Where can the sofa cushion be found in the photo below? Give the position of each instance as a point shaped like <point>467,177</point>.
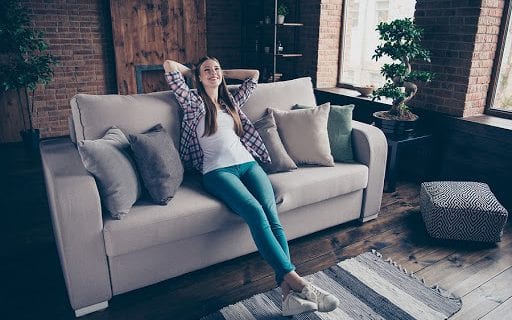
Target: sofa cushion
<point>193,212</point>
<point>108,160</point>
<point>304,134</point>
<point>280,160</point>
<point>94,114</point>
<point>158,162</point>
<point>308,185</point>
<point>339,128</point>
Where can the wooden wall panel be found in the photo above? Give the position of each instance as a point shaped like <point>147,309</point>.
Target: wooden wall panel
<point>147,32</point>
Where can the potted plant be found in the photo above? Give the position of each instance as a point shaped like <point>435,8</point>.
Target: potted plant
<point>24,63</point>
<point>402,43</point>
<point>282,12</point>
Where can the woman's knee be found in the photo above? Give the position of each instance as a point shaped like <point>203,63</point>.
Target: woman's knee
<point>254,214</point>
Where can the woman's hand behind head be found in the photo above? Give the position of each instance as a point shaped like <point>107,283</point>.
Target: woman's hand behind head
<point>170,66</point>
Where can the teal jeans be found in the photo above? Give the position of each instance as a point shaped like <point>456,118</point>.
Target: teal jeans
<point>246,190</point>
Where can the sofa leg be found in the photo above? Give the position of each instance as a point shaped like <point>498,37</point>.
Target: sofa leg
<point>90,309</point>
<point>368,218</point>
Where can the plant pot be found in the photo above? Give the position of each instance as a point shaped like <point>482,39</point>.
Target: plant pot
<point>280,19</point>
<point>31,141</point>
<point>394,127</point>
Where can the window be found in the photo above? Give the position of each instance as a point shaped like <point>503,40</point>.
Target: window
<point>359,38</point>
<point>501,88</point>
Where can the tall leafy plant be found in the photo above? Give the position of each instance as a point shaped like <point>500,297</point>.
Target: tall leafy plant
<point>401,41</point>
<point>24,60</point>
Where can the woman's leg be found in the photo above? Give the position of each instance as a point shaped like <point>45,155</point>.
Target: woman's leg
<point>257,182</point>
<point>259,185</point>
<point>226,185</point>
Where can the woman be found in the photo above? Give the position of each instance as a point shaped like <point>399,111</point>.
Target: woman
<point>219,141</point>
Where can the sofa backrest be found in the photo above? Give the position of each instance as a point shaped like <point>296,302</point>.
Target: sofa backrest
<point>93,115</point>
<point>281,95</point>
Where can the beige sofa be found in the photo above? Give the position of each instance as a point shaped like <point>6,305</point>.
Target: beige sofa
<point>102,257</point>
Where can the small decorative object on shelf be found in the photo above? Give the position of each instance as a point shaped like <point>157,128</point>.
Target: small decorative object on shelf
<point>280,48</point>
<point>282,11</point>
<point>365,90</point>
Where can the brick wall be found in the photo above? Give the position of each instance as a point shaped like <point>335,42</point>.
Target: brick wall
<point>79,33</point>
<point>462,37</point>
<point>484,52</point>
<point>328,43</point>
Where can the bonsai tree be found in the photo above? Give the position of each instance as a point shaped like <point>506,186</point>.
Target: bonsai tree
<point>24,62</point>
<point>401,42</point>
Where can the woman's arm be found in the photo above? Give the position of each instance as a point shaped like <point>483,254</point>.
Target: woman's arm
<point>241,74</point>
<point>247,87</point>
<point>186,98</point>
<point>173,66</point>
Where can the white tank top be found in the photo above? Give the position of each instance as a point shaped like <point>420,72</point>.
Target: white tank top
<point>223,148</point>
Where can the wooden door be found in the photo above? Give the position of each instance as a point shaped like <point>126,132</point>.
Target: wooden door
<point>147,32</point>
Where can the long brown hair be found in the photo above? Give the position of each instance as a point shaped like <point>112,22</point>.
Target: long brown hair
<point>210,118</point>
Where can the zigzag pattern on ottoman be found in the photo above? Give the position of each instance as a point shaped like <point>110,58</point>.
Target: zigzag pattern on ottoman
<point>462,210</point>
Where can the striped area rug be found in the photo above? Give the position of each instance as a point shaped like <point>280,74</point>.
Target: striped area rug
<point>368,288</point>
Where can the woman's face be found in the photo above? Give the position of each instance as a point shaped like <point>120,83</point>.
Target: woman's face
<point>210,74</point>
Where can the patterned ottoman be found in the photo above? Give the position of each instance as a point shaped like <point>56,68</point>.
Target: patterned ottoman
<point>462,211</point>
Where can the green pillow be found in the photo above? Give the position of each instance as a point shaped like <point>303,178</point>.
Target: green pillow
<point>339,129</point>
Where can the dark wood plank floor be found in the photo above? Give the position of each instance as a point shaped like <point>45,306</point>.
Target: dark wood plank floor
<point>32,285</point>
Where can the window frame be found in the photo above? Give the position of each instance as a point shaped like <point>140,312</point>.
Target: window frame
<point>498,59</point>
<point>339,83</point>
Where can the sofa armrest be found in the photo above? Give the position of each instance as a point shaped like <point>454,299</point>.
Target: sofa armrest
<point>77,223</point>
<point>370,148</point>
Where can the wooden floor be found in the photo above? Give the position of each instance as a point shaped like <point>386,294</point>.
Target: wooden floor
<point>32,284</point>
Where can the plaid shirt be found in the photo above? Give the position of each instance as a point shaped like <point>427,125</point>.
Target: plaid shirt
<point>193,109</point>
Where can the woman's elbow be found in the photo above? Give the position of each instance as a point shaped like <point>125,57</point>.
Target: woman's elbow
<point>256,75</point>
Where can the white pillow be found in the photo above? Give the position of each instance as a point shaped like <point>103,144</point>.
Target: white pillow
<point>304,134</point>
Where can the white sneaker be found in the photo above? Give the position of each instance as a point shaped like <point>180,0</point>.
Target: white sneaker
<point>326,302</point>
<point>293,304</point>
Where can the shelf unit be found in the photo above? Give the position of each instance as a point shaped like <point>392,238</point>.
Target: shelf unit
<point>261,36</point>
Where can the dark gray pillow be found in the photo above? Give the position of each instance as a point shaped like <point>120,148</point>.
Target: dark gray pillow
<point>158,162</point>
<point>280,160</point>
<point>339,128</point>
<point>108,160</point>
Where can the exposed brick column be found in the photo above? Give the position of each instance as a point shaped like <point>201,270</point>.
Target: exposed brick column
<point>462,37</point>
<point>486,41</point>
<point>329,43</point>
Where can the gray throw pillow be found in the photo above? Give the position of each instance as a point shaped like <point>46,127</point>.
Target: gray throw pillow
<point>108,160</point>
<point>304,134</point>
<point>158,162</point>
<point>280,160</point>
<point>339,128</point>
